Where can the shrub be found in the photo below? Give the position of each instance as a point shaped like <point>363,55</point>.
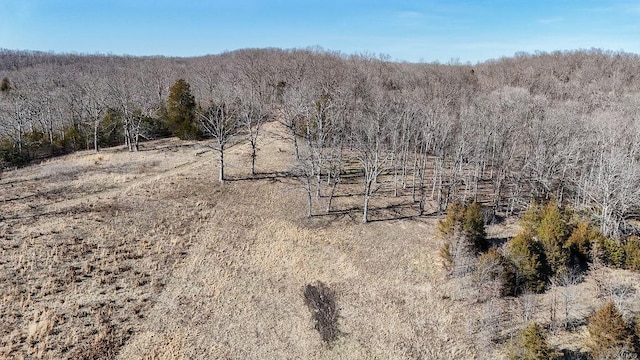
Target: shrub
<point>525,254</point>
<point>531,344</point>
<point>531,218</point>
<point>610,252</point>
<point>473,226</point>
<point>580,243</point>
<point>552,232</point>
<point>608,333</point>
<point>321,302</point>
<point>496,272</point>
<point>632,254</point>
<point>450,225</point>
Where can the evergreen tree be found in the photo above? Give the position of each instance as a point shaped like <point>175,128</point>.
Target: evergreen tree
<point>181,107</point>
<point>580,243</point>
<point>464,236</point>
<point>531,218</point>
<point>473,227</point>
<point>493,266</point>
<point>608,333</point>
<point>528,258</point>
<point>553,232</point>
<point>531,344</point>
<point>450,225</point>
<point>610,252</point>
<point>632,254</point>
<point>5,85</point>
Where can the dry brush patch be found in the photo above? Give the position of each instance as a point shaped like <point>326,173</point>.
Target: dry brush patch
<point>87,244</point>
<point>239,294</point>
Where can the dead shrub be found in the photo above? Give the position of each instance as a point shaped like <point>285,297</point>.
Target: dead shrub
<point>321,301</point>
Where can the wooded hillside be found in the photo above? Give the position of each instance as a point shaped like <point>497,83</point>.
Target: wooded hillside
<point>561,125</point>
<point>240,235</point>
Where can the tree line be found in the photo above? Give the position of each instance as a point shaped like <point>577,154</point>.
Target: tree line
<point>560,125</point>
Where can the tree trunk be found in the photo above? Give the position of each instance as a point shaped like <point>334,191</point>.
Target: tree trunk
<point>365,212</point>
<point>253,158</point>
<point>309,200</point>
<point>221,164</point>
<point>95,136</point>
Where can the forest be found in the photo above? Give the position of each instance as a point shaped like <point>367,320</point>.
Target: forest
<point>560,125</point>
<point>552,139</point>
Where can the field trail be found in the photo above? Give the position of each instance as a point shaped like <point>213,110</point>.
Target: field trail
<point>145,256</point>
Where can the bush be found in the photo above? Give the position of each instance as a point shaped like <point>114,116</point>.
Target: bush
<point>495,272</point>
<point>321,302</point>
<point>450,225</point>
<point>467,221</point>
<point>632,254</point>
<point>608,333</point>
<point>580,243</point>
<point>473,227</point>
<point>531,344</point>
<point>553,232</point>
<point>524,252</point>
<point>610,252</point>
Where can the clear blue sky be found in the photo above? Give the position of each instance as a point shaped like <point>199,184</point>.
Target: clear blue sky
<point>427,30</point>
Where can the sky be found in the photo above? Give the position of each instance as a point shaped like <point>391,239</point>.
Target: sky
<point>416,31</point>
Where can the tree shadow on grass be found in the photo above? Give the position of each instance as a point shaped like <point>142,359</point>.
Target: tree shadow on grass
<point>402,211</point>
<point>273,176</point>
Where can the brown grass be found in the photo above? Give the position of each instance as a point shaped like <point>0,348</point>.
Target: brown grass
<point>144,256</point>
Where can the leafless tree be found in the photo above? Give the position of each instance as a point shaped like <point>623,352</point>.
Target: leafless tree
<point>219,119</point>
<point>371,136</point>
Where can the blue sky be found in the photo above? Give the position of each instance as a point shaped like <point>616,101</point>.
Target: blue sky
<point>469,31</point>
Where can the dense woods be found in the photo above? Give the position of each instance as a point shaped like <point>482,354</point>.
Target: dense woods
<point>560,125</point>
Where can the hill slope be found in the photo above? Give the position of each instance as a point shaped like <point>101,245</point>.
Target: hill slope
<point>145,255</point>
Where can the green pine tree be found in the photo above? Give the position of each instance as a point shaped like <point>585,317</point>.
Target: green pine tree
<point>553,232</point>
<point>530,220</point>
<point>181,107</point>
<point>531,344</point>
<point>450,225</point>
<point>632,253</point>
<point>5,85</point>
<point>525,254</point>
<point>473,227</point>
<point>580,243</point>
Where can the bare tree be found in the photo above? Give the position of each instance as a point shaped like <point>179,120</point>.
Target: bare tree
<point>94,101</point>
<point>371,136</point>
<point>252,115</point>
<point>220,121</point>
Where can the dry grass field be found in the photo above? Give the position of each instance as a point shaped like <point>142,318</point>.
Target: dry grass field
<point>145,256</point>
